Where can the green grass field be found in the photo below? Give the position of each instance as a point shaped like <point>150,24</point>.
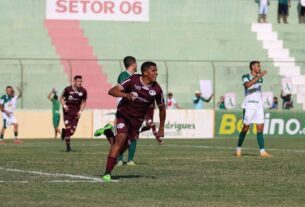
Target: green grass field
<point>178,173</point>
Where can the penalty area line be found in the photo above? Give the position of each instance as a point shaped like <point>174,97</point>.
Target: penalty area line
<point>80,177</point>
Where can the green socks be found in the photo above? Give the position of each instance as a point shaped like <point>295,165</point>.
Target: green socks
<point>260,140</point>
<point>132,150</point>
<point>241,139</point>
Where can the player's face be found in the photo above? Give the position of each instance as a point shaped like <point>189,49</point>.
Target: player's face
<point>78,82</point>
<point>151,74</point>
<point>9,91</point>
<point>257,68</point>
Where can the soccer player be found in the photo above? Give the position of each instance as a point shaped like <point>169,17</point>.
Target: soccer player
<point>73,100</point>
<point>55,111</point>
<point>139,92</point>
<point>130,64</point>
<point>253,107</point>
<point>7,106</point>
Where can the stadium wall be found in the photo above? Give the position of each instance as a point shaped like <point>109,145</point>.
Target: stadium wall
<point>180,124</point>
<point>38,124</point>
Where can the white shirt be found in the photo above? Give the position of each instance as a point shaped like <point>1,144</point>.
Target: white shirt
<point>171,103</point>
<point>263,2</point>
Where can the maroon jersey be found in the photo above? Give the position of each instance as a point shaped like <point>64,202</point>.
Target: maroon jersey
<point>74,98</point>
<point>144,97</point>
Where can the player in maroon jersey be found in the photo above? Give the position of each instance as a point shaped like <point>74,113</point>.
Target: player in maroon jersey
<point>139,93</point>
<point>73,100</point>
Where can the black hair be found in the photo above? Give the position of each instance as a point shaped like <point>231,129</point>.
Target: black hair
<point>78,77</point>
<point>146,65</point>
<point>253,63</point>
<point>55,96</point>
<point>128,61</point>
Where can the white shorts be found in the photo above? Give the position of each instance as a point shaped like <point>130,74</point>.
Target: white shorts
<point>8,120</point>
<point>263,9</point>
<point>253,116</point>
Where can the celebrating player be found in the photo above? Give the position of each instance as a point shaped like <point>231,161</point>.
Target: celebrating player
<point>73,100</point>
<point>253,107</point>
<point>7,106</point>
<point>55,111</point>
<point>139,92</point>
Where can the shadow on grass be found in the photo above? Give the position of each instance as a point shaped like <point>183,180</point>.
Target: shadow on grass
<point>247,155</point>
<point>118,177</point>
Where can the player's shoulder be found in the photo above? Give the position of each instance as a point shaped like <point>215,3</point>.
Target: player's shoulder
<point>3,97</point>
<point>68,88</point>
<point>157,86</point>
<point>245,76</point>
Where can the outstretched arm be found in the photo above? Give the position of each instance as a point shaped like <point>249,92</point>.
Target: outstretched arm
<point>50,94</point>
<point>19,92</point>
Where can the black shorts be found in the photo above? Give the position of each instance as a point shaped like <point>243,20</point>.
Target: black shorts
<point>302,12</point>
<point>282,9</point>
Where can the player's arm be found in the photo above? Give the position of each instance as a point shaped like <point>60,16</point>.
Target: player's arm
<point>162,117</point>
<point>62,101</point>
<point>254,80</point>
<point>19,92</point>
<point>2,108</point>
<point>50,94</point>
<point>118,92</point>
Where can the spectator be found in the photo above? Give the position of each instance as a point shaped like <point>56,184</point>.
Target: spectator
<point>198,100</point>
<point>171,102</point>
<point>263,10</point>
<point>302,11</point>
<point>287,102</point>
<point>221,103</point>
<point>282,12</point>
<point>274,103</point>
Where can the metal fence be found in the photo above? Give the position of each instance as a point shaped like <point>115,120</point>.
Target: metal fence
<point>37,77</point>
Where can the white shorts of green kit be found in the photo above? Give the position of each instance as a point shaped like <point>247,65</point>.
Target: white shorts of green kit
<point>253,116</point>
<point>8,120</point>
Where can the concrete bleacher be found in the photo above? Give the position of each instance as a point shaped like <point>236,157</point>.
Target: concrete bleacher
<point>190,41</point>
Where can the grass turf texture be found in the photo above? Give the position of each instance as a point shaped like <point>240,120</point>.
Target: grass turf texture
<point>178,173</point>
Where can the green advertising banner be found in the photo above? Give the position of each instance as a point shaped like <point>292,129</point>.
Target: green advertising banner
<point>282,124</point>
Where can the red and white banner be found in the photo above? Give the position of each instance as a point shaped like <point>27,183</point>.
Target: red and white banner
<point>104,10</point>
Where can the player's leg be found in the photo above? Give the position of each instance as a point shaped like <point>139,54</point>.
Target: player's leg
<point>3,131</point>
<point>71,122</point>
<point>259,119</point>
<point>56,120</point>
<point>107,130</point>
<point>247,119</point>
<point>16,140</point>
<point>115,149</point>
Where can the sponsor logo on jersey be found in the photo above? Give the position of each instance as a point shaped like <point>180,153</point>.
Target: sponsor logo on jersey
<point>137,87</point>
<point>145,88</point>
<point>80,94</point>
<point>120,126</point>
<point>152,92</point>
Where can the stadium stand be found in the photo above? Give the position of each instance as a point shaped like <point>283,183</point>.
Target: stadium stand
<point>187,40</point>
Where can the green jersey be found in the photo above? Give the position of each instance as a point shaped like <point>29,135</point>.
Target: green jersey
<point>55,106</point>
<point>8,102</point>
<point>253,95</point>
<point>123,76</point>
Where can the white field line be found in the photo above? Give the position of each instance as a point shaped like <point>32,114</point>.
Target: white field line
<point>230,148</point>
<point>56,175</point>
